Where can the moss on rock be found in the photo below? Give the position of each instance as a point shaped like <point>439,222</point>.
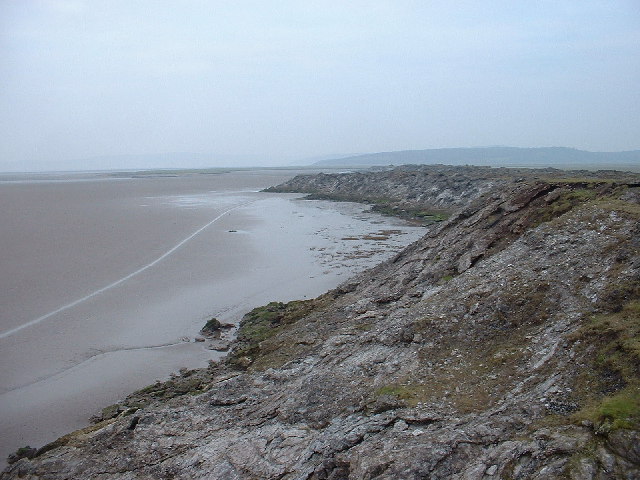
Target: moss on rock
<point>262,323</point>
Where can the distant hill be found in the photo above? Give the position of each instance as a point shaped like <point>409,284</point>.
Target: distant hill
<point>559,157</point>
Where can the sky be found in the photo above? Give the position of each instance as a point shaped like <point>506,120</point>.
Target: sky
<point>242,82</point>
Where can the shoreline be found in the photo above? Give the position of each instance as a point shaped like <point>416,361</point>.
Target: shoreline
<point>107,372</point>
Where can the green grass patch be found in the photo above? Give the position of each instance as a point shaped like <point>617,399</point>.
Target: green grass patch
<point>445,279</point>
<point>570,197</point>
<point>621,410</point>
<point>612,387</point>
<point>262,323</point>
<point>434,217</point>
<point>619,335</point>
<point>605,193</point>
<point>412,394</point>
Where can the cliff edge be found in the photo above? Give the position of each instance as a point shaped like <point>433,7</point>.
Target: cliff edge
<point>503,344</point>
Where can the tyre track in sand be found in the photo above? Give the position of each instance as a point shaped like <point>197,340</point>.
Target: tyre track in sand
<point>40,319</point>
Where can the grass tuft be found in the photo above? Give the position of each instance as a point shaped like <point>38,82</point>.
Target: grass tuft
<point>621,410</point>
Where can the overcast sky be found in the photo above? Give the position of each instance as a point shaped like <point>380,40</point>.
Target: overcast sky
<point>273,81</point>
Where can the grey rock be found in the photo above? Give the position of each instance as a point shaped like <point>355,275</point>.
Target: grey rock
<point>626,443</point>
<point>491,470</point>
<point>219,345</point>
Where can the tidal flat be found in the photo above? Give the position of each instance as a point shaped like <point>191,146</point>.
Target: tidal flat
<point>106,280</point>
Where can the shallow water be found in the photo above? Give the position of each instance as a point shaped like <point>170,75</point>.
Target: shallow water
<point>105,284</point>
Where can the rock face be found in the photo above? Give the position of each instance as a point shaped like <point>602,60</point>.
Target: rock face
<point>424,188</point>
<point>503,344</point>
<point>408,188</point>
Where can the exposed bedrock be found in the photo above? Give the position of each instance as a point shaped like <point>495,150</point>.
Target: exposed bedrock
<point>503,344</point>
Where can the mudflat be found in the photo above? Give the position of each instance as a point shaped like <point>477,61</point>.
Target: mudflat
<point>106,281</point>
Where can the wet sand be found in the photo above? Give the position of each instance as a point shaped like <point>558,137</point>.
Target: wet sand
<point>106,282</point>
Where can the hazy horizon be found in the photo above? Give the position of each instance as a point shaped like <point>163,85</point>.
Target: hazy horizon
<point>95,85</point>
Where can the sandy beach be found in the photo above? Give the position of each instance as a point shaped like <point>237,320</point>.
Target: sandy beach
<point>106,282</point>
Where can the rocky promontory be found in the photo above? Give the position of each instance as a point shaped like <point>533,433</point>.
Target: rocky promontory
<point>503,344</point>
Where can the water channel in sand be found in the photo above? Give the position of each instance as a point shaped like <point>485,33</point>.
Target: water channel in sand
<point>105,281</point>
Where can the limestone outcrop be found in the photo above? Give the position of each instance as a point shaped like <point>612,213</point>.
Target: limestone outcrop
<point>503,344</point>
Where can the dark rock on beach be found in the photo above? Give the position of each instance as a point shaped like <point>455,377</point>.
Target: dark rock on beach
<point>24,452</point>
<point>214,328</point>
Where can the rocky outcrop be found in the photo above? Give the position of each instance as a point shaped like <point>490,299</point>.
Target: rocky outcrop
<point>413,189</point>
<point>503,344</point>
<point>424,190</point>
